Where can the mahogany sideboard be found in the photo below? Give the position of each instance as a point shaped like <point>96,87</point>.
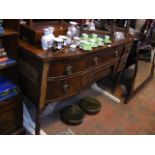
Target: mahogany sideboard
<point>47,76</point>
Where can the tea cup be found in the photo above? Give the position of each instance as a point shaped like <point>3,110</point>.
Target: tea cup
<point>84,36</point>
<point>94,36</point>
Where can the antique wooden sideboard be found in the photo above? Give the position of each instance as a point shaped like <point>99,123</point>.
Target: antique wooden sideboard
<point>47,76</point>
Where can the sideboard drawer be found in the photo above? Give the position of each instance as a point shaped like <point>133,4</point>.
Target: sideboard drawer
<point>104,57</point>
<point>98,73</point>
<point>63,87</point>
<point>66,67</point>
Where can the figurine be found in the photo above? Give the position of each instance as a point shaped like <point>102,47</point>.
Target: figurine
<point>91,25</point>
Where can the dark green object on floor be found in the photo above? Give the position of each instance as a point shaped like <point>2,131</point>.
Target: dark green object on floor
<point>72,115</point>
<point>90,105</point>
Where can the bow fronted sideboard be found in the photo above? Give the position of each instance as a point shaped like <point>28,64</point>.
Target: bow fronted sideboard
<point>47,76</point>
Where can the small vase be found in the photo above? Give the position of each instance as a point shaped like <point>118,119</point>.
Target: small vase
<point>72,29</point>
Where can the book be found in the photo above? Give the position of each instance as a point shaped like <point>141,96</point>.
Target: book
<point>7,89</point>
<point>5,84</point>
<point>7,62</point>
<point>8,96</point>
<point>3,59</point>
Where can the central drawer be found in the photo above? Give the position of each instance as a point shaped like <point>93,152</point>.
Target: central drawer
<point>63,87</point>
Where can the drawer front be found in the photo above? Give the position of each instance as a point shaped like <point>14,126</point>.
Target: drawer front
<point>65,68</point>
<point>63,87</point>
<point>11,116</point>
<point>102,57</point>
<point>97,73</point>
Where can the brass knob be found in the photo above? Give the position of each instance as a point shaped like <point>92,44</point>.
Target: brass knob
<point>116,53</point>
<point>95,60</point>
<point>65,88</point>
<point>68,70</point>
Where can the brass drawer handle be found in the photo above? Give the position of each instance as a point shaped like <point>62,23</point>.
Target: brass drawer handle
<point>116,54</point>
<point>65,88</point>
<point>95,60</point>
<point>68,70</point>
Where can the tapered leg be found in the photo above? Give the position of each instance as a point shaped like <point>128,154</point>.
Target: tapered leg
<point>38,121</point>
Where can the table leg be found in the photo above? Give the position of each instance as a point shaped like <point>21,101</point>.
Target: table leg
<point>38,121</point>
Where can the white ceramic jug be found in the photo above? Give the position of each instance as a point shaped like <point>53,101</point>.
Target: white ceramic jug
<point>45,40</point>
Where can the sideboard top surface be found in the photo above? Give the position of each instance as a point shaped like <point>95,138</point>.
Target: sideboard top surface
<point>44,56</point>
